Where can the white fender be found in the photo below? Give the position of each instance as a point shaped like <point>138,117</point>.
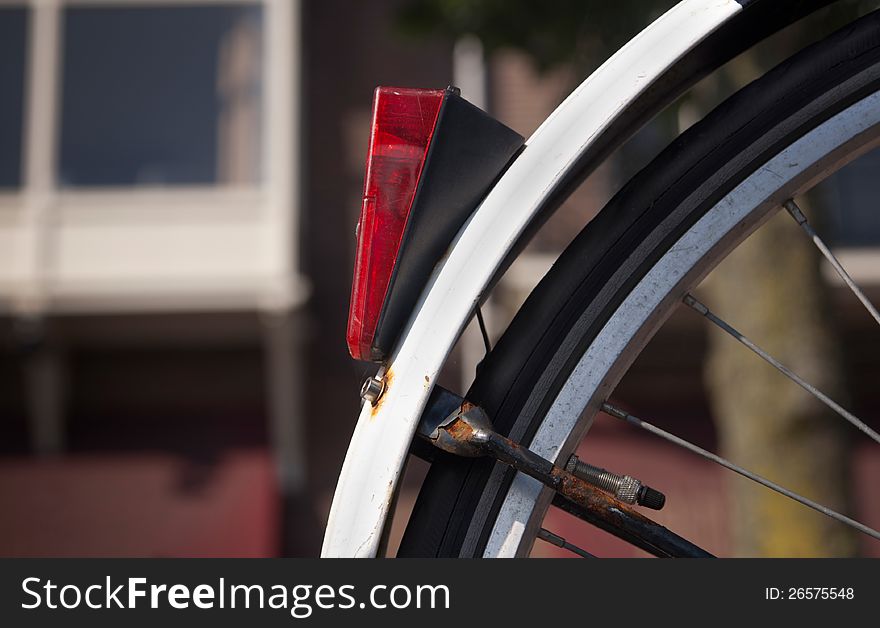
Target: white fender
<point>383,433</point>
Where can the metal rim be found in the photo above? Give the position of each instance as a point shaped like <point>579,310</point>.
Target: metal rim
<point>797,168</point>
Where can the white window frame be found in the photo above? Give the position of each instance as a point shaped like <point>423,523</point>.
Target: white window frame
<point>118,249</point>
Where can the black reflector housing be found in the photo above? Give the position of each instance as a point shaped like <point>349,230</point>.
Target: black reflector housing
<point>469,150</point>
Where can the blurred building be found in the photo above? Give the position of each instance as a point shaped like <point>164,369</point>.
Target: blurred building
<point>179,184</point>
<point>150,279</point>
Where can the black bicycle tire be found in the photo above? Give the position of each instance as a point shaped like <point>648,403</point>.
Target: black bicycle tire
<point>840,69</point>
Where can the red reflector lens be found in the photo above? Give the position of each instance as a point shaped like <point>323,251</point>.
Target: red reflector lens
<point>403,121</point>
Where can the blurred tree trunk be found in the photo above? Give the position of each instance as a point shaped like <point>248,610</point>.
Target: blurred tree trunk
<point>771,289</point>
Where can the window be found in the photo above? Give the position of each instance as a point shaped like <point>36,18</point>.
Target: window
<point>13,33</point>
<point>149,182</point>
<point>159,95</point>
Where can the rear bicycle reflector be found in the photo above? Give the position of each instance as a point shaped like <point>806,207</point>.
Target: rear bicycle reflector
<point>432,157</point>
<point>403,121</point>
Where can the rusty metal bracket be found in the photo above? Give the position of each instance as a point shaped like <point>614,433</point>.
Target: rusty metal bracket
<point>467,431</point>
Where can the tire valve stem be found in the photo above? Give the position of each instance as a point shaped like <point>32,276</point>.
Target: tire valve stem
<point>624,487</point>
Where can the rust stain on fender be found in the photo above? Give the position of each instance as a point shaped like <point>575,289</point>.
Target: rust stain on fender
<point>388,379</point>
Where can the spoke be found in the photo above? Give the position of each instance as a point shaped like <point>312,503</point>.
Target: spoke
<point>691,302</point>
<point>796,213</point>
<point>558,541</point>
<point>672,438</point>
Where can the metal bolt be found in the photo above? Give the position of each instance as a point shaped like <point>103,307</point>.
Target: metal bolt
<point>624,487</point>
<point>372,389</point>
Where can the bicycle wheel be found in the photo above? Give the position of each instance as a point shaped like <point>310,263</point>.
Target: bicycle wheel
<point>594,312</point>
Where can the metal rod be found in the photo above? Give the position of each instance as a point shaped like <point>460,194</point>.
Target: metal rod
<point>672,438</point>
<point>796,213</point>
<point>468,432</point>
<point>654,539</point>
<point>554,539</point>
<point>486,342</point>
<point>700,308</point>
<point>593,504</point>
